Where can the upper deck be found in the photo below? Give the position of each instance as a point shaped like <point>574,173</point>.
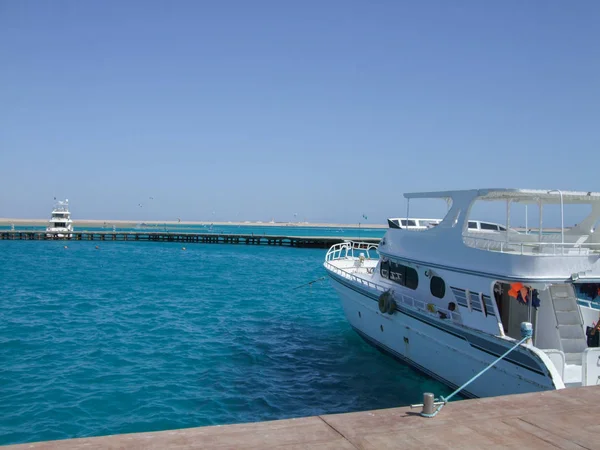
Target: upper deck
<point>61,207</point>
<point>506,253</point>
<point>581,239</point>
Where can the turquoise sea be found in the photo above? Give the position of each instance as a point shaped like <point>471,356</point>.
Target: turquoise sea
<point>138,336</point>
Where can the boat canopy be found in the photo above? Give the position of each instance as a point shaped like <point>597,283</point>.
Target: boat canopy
<point>515,195</point>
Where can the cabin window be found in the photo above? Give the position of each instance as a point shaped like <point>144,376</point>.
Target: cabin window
<point>461,297</point>
<point>501,228</point>
<point>397,273</point>
<point>472,225</point>
<point>403,275</point>
<point>409,223</point>
<point>488,226</point>
<point>437,287</point>
<point>475,301</point>
<point>412,278</point>
<point>489,305</point>
<point>384,269</point>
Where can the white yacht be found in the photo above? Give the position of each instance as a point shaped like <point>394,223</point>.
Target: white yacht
<point>60,224</point>
<point>451,299</point>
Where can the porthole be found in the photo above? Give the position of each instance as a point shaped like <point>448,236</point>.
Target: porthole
<point>437,287</point>
<point>381,327</point>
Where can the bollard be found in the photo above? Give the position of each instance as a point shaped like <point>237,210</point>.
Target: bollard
<point>428,401</point>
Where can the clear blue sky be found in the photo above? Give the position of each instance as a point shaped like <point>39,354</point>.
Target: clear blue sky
<point>252,110</point>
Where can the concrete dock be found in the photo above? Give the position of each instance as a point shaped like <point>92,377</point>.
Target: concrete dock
<point>568,418</point>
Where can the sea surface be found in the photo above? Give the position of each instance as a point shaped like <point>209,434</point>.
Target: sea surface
<point>144,336</point>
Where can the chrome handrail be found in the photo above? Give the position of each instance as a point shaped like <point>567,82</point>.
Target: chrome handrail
<point>543,248</point>
<point>345,250</point>
<point>354,278</point>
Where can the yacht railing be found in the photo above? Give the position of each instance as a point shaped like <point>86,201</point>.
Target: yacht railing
<point>61,206</point>
<point>345,250</point>
<point>406,300</point>
<point>533,248</point>
<point>354,278</point>
<point>588,303</point>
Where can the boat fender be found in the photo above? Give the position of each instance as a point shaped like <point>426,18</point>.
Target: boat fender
<point>383,301</point>
<point>391,306</point>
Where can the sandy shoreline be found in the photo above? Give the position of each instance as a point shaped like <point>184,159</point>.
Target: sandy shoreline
<point>132,224</point>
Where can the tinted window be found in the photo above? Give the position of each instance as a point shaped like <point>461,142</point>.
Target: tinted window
<point>412,278</point>
<point>384,269</point>
<point>403,275</point>
<point>397,273</point>
<point>472,225</point>
<point>501,228</point>
<point>488,226</point>
<point>475,302</point>
<point>411,223</point>
<point>437,287</point>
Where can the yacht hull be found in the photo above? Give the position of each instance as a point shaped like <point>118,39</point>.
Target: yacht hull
<point>442,350</point>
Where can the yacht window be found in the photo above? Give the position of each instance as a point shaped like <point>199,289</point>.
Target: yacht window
<point>488,226</point>
<point>472,225</point>
<point>461,297</point>
<point>489,306</point>
<point>397,273</point>
<point>475,301</point>
<point>437,287</point>
<point>384,269</point>
<point>411,223</point>
<point>404,275</point>
<point>501,228</point>
<point>412,278</point>
<point>58,224</point>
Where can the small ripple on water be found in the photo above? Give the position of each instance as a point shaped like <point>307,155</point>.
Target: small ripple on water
<point>142,337</point>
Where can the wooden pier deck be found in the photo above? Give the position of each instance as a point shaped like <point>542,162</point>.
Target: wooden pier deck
<point>205,238</point>
<point>554,419</point>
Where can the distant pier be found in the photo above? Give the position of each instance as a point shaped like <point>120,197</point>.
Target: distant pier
<point>196,238</point>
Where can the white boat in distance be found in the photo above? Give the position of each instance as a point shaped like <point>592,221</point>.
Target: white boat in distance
<point>451,299</point>
<point>60,224</point>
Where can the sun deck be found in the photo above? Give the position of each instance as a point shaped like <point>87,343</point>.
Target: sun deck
<point>579,240</point>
